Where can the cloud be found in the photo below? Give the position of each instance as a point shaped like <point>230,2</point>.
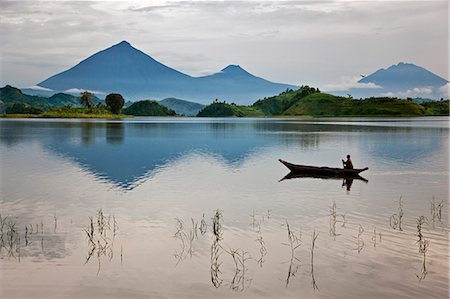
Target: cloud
<point>417,92</point>
<point>445,91</point>
<point>297,42</point>
<point>35,87</point>
<point>347,83</point>
<point>78,90</point>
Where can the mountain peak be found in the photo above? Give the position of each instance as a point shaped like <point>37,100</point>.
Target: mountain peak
<point>123,43</point>
<point>405,76</point>
<point>236,70</point>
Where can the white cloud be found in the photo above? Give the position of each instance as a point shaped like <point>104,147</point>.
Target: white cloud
<point>297,42</point>
<point>445,91</point>
<point>78,90</point>
<point>347,83</point>
<point>423,92</point>
<point>35,87</point>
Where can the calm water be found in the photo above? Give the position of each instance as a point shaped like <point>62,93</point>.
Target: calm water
<point>196,208</point>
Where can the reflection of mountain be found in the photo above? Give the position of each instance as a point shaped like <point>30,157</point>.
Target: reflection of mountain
<point>124,153</point>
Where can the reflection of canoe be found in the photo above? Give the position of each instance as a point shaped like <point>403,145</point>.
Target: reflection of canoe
<point>295,175</point>
<point>322,171</point>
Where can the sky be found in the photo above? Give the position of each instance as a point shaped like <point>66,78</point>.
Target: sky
<point>327,44</point>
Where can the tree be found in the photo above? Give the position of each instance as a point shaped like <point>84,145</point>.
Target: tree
<point>115,102</point>
<point>86,99</point>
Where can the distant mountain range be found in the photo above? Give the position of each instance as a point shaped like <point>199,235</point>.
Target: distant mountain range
<point>402,80</point>
<point>10,95</point>
<point>127,70</point>
<point>182,107</point>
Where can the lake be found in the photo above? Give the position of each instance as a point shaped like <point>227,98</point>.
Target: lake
<point>198,208</point>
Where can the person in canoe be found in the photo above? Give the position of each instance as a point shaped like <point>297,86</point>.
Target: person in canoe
<point>348,164</point>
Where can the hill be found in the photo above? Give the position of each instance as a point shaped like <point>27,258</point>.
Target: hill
<point>182,107</point>
<point>321,104</point>
<point>126,70</point>
<point>10,95</point>
<point>308,101</point>
<point>148,108</point>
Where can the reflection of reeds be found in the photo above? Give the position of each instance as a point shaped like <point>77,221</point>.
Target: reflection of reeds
<point>396,219</point>
<point>203,226</point>
<point>313,243</point>
<point>293,243</point>
<point>359,241</point>
<point>262,246</point>
<point>423,246</point>
<point>436,210</point>
<point>216,249</point>
<point>101,238</point>
<point>374,237</point>
<point>239,280</point>
<point>9,238</point>
<point>181,236</point>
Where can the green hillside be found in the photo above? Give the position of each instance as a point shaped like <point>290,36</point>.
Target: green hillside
<point>224,109</point>
<point>10,95</point>
<point>148,108</point>
<point>321,104</point>
<point>276,105</point>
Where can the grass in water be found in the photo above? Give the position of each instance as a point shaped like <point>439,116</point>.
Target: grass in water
<point>423,246</point>
<point>293,243</point>
<point>313,244</point>
<point>101,237</point>
<point>396,219</point>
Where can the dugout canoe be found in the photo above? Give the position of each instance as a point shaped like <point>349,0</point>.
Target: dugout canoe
<point>322,171</point>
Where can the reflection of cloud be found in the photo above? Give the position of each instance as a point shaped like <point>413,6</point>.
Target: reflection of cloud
<point>348,83</point>
<point>414,92</point>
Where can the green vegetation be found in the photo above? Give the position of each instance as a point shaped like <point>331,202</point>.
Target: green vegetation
<point>306,101</point>
<point>70,112</point>
<point>148,108</point>
<point>21,108</point>
<point>436,107</point>
<point>276,105</point>
<point>309,101</point>
<point>86,99</point>
<point>320,104</point>
<point>224,109</point>
<point>115,102</point>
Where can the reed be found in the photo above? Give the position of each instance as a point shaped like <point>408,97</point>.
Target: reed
<point>216,249</point>
<point>101,234</point>
<point>395,220</point>
<point>359,241</point>
<point>423,246</point>
<point>436,211</point>
<point>293,243</point>
<point>313,245</point>
<point>239,280</point>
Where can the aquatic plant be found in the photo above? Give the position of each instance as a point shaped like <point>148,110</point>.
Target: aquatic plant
<point>293,243</point>
<point>101,237</point>
<point>395,220</point>
<point>436,210</point>
<point>423,246</point>
<point>359,241</point>
<point>313,244</point>
<point>216,249</point>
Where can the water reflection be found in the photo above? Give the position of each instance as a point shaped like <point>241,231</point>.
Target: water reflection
<point>346,181</point>
<point>126,152</point>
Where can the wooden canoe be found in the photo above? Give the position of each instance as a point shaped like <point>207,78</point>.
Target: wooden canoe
<point>323,171</point>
